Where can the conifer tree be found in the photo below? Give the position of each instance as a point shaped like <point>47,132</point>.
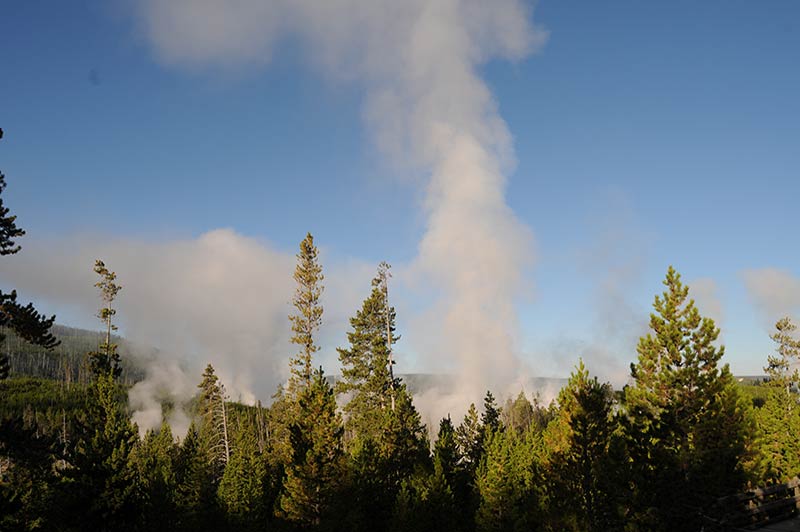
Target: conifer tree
<point>315,473</point>
<point>680,391</point>
<point>778,419</point>
<point>242,488</point>
<point>583,465</point>
<point>490,419</point>
<point>152,460</point>
<point>469,440</point>
<point>195,491</point>
<point>366,365</point>
<point>518,414</point>
<point>214,433</point>
<point>505,496</point>
<point>307,320</point>
<point>106,359</point>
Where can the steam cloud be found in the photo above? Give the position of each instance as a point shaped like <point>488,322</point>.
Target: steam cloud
<point>776,293</point>
<point>221,298</point>
<point>224,298</point>
<point>425,103</point>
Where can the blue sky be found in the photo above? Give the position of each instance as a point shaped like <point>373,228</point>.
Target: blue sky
<point>646,134</point>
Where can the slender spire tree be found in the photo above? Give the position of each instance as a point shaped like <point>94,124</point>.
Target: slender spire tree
<point>106,358</point>
<point>307,320</point>
<point>382,283</point>
<point>214,426</point>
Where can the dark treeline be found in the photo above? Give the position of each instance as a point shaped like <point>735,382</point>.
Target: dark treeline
<point>653,456</point>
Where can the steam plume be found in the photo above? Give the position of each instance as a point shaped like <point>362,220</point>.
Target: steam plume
<point>425,103</point>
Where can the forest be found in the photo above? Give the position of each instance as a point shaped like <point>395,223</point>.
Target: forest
<point>353,454</point>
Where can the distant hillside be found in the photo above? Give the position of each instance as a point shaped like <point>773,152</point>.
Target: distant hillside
<point>66,361</point>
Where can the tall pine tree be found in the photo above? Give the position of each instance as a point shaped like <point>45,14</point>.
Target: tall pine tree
<point>679,400</point>
<point>367,378</point>
<point>307,320</point>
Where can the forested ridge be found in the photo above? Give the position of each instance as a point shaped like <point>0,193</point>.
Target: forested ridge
<point>355,455</point>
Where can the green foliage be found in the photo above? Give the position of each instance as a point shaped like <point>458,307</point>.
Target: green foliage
<point>314,475</point>
<point>490,419</point>
<point>243,489</point>
<point>586,463</point>
<point>214,434</point>
<point>152,461</point>
<point>366,374</point>
<point>106,360</point>
<point>778,419</point>
<point>679,398</point>
<point>306,300</point>
<point>469,438</point>
<point>507,483</point>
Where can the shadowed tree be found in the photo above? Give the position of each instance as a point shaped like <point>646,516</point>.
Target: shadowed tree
<point>586,462</point>
<point>779,418</point>
<point>316,471</point>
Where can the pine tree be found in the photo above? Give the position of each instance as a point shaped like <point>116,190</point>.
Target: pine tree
<point>308,276</point>
<point>469,440</point>
<point>242,490</point>
<point>106,359</point>
<point>518,414</point>
<point>214,433</point>
<point>152,460</point>
<point>315,473</point>
<point>778,419</point>
<point>505,496</point>
<point>366,365</point>
<point>195,491</point>
<point>490,419</point>
<point>583,466</point>
<point>103,493</point>
<point>678,392</point>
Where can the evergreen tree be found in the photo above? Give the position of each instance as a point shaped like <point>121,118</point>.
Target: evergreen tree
<point>678,393</point>
<point>366,365</point>
<point>518,414</point>
<point>242,490</point>
<point>315,473</point>
<point>491,414</point>
<point>103,492</point>
<point>308,276</point>
<point>506,484</point>
<point>214,434</point>
<point>470,441</point>
<point>778,419</point>
<point>106,359</point>
<point>195,490</point>
<point>152,460</point>
<point>583,465</point>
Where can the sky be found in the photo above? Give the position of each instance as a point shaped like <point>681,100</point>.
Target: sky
<point>632,136</point>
